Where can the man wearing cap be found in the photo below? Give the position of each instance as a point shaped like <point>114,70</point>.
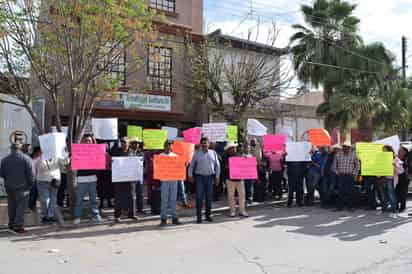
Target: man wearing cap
<point>168,191</point>
<point>347,168</point>
<point>124,192</point>
<point>233,185</point>
<point>18,174</point>
<point>205,167</point>
<point>136,149</point>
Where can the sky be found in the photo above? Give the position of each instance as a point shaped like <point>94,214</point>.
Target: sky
<point>383,21</point>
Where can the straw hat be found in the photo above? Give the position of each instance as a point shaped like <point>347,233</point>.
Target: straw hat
<point>336,146</point>
<point>347,144</point>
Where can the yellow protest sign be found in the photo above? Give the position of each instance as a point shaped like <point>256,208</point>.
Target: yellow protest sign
<point>135,132</point>
<point>367,148</point>
<point>377,164</point>
<point>154,139</point>
<point>231,133</point>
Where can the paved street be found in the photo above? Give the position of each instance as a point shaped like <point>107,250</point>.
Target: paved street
<point>272,240</point>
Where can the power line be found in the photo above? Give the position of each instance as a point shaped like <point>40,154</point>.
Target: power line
<point>342,68</point>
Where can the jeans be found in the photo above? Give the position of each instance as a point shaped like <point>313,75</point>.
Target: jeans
<point>402,191</point>
<point>331,188</point>
<point>295,185</point>
<point>169,194</point>
<point>61,193</point>
<point>82,189</point>
<point>311,183</point>
<point>345,185</point>
<point>181,192</point>
<point>204,190</point>
<point>388,194</point>
<point>370,186</point>
<point>16,203</point>
<point>248,189</point>
<point>48,199</point>
<point>232,186</point>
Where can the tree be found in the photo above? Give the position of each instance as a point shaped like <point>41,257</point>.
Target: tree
<point>331,30</point>
<point>67,48</point>
<point>233,75</point>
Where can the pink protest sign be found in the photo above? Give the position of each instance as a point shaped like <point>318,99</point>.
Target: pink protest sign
<point>88,156</point>
<point>274,142</point>
<point>192,135</point>
<point>241,168</point>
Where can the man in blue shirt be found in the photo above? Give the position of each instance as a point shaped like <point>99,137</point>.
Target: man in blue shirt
<point>314,173</point>
<point>205,167</point>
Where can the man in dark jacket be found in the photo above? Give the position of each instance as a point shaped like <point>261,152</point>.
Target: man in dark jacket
<point>18,174</point>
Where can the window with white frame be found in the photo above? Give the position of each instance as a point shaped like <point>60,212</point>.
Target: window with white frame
<point>159,68</point>
<point>167,5</point>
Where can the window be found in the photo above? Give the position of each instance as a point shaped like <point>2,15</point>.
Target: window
<point>167,5</point>
<point>160,68</point>
<point>115,62</point>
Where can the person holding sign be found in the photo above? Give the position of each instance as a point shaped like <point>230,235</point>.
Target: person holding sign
<point>233,184</point>
<point>86,183</point>
<point>386,188</point>
<point>124,192</point>
<point>346,166</point>
<point>401,180</point>
<point>168,191</point>
<point>136,149</point>
<point>205,167</point>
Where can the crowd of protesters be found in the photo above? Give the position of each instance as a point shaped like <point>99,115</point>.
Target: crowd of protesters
<point>332,177</point>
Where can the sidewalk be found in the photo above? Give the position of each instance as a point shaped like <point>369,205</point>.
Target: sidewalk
<point>32,218</point>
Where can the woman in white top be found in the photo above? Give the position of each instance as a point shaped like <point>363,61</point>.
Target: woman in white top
<point>48,181</point>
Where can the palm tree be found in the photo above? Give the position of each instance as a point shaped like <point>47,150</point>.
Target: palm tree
<point>331,31</point>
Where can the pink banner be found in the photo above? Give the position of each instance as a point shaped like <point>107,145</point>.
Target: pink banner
<point>241,168</point>
<point>274,142</point>
<point>88,157</point>
<point>192,135</point>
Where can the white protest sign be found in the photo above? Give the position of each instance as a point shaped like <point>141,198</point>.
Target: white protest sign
<point>298,151</point>
<point>105,129</point>
<point>392,141</point>
<point>254,127</point>
<point>215,132</point>
<point>171,132</point>
<point>127,169</point>
<point>53,145</point>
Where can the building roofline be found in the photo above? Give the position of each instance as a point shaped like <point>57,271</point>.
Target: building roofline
<point>246,44</point>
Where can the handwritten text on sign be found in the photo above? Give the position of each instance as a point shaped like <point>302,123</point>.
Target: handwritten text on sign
<point>241,168</point>
<point>88,156</point>
<point>154,139</point>
<point>169,168</point>
<point>184,149</point>
<point>215,132</point>
<point>127,169</point>
<point>377,164</point>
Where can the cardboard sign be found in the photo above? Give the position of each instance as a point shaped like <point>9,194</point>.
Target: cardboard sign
<point>242,168</point>
<point>192,135</point>
<point>105,129</point>
<point>171,132</point>
<point>377,164</point>
<point>184,149</point>
<point>367,149</point>
<point>254,127</point>
<point>88,157</point>
<point>319,137</point>
<point>154,139</point>
<point>392,141</point>
<point>135,132</point>
<point>232,134</point>
<point>53,146</point>
<point>298,151</point>
<point>127,169</point>
<point>274,142</point>
<point>215,132</point>
<point>169,168</point>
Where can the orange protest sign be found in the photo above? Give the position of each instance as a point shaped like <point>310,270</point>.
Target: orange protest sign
<point>319,137</point>
<point>184,149</point>
<point>169,168</point>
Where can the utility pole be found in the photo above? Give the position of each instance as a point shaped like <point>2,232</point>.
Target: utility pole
<point>404,49</point>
